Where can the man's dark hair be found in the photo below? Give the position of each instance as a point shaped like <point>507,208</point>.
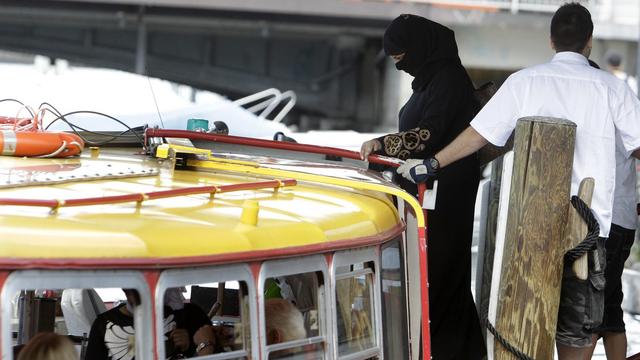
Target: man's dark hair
<point>614,58</point>
<point>571,27</point>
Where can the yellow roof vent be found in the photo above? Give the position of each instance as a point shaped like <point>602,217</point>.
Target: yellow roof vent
<point>250,210</point>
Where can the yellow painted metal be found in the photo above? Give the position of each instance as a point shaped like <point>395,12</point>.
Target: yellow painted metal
<point>195,225</point>
<point>162,151</point>
<point>95,152</point>
<point>223,164</point>
<point>250,210</point>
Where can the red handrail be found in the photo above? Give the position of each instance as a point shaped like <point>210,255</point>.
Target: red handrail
<point>140,197</point>
<point>271,144</point>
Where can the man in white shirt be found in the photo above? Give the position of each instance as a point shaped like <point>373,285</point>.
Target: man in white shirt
<point>618,246</point>
<point>566,87</point>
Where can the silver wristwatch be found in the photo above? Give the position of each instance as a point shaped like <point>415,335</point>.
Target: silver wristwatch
<point>203,345</point>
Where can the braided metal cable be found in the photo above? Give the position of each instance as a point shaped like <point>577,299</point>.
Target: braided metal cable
<point>591,239</point>
<point>505,343</point>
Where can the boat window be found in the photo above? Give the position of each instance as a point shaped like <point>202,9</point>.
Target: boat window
<point>294,305</point>
<point>207,319</point>
<point>394,316</point>
<point>207,313</point>
<point>292,324</point>
<point>355,308</point>
<point>101,312</point>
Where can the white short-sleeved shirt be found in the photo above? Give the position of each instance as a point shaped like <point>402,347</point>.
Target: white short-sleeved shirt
<point>625,198</point>
<point>630,80</point>
<point>568,87</point>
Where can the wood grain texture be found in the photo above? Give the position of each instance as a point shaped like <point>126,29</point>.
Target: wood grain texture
<point>576,228</point>
<point>534,247</point>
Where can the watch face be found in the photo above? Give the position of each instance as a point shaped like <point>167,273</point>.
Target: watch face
<point>433,162</point>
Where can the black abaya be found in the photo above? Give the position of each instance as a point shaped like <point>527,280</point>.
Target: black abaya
<point>441,107</point>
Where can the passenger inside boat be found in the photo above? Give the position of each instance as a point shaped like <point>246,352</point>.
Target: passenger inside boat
<point>112,333</point>
<point>48,346</point>
<point>291,315</point>
<point>284,322</point>
<point>69,313</point>
<point>225,307</point>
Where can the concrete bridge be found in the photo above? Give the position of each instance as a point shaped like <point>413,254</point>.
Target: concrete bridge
<point>328,52</point>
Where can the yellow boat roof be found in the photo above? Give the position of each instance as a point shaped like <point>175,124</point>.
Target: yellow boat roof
<point>312,215</point>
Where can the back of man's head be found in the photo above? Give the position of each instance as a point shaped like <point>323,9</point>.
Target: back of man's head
<point>571,28</point>
<point>284,322</point>
<point>614,59</point>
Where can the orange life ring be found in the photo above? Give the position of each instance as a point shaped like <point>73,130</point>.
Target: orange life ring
<point>8,120</point>
<point>39,143</point>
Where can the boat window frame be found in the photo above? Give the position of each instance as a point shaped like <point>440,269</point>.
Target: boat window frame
<point>293,266</point>
<point>180,277</point>
<point>353,257</point>
<point>400,241</point>
<point>80,279</point>
<point>412,281</point>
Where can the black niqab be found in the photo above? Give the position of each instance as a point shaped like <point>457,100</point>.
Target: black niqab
<point>427,47</point>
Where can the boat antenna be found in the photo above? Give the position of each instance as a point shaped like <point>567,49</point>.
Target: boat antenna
<point>155,101</point>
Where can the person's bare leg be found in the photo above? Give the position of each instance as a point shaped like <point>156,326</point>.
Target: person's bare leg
<point>589,353</point>
<point>571,353</point>
<point>615,345</point>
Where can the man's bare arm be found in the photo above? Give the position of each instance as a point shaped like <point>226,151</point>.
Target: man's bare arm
<point>636,153</point>
<point>468,142</point>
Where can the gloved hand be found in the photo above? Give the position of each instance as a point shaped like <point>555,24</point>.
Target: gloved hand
<point>418,170</point>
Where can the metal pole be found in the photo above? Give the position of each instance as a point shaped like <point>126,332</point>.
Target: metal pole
<point>141,48</point>
<point>25,316</point>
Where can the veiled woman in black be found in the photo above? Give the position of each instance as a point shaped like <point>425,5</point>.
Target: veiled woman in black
<point>440,108</point>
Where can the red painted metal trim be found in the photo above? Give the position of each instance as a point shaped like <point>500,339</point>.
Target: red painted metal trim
<point>328,257</point>
<point>188,261</point>
<point>424,290</point>
<point>151,277</point>
<point>424,279</point>
<point>148,196</point>
<point>255,267</point>
<point>228,139</point>
<point>422,187</point>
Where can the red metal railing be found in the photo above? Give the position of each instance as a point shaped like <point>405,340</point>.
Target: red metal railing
<point>140,197</point>
<point>270,144</point>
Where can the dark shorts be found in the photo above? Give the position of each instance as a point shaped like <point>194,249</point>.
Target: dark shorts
<point>618,248</point>
<point>582,301</point>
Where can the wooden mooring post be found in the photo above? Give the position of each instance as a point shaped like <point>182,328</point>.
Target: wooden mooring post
<point>534,246</point>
